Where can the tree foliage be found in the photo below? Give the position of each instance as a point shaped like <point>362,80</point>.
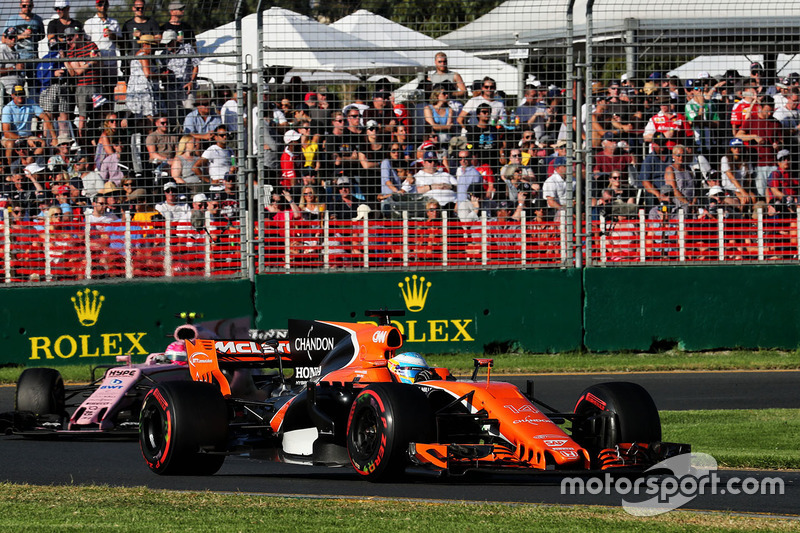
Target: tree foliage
<point>432,18</point>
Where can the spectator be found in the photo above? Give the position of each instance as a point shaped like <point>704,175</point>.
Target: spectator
<point>737,172</point>
<point>402,139</point>
<point>84,72</point>
<point>680,180</point>
<point>439,115</point>
<point>381,112</point>
<point>390,179</point>
<point>198,213</point>
<point>218,159</point>
<point>140,100</point>
<point>370,157</point>
<point>202,123</point>
<point>444,75</point>
<point>310,204</point>
<point>470,210</point>
<point>56,28</point>
<point>344,206</point>
<point>52,79</point>
<point>488,142</point>
<point>744,109</point>
<point>109,149</point>
<point>783,185</point>
<point>352,137</point>
<point>10,67</point>
<point>309,146</point>
<point>702,116</point>
<point>673,126</point>
<point>435,184</point>
<point>184,32</point>
<point>615,157</point>
<point>284,207</point>
<point>99,213</point>
<point>30,30</point>
<point>105,32</point>
<point>134,28</point>
<point>178,75</point>
<point>554,189</point>
<point>183,170</point>
<point>487,96</point>
<point>789,117</point>
<point>288,160</point>
<point>229,112</point>
<point>17,121</point>
<point>763,132</point>
<point>467,176</point>
<point>172,206</point>
<point>332,146</point>
<point>651,174</point>
<point>63,161</point>
<point>161,144</point>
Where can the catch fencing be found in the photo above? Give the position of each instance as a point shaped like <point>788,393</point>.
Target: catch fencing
<point>617,88</point>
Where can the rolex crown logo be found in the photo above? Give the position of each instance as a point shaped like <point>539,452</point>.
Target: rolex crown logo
<point>87,304</point>
<point>415,292</point>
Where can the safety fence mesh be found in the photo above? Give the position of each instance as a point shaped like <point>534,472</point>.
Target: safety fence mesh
<point>205,139</point>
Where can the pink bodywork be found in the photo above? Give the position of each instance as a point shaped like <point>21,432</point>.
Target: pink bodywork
<point>117,392</point>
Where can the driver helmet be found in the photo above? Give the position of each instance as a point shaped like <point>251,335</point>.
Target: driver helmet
<point>176,351</point>
<point>407,365</point>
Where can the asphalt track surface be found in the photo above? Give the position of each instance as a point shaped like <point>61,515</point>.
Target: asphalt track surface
<point>120,463</point>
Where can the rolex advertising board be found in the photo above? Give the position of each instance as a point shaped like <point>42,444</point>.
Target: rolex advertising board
<point>92,324</point>
<point>445,312</point>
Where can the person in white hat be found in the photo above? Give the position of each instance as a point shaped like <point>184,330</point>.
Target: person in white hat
<point>288,166</point>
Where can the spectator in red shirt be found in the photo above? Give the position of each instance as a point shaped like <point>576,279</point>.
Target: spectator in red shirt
<point>783,184</point>
<point>764,133</point>
<point>288,164</point>
<point>743,109</point>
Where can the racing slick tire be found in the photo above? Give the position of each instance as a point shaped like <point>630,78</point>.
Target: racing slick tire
<point>615,412</point>
<point>384,418</point>
<point>180,422</point>
<point>40,391</point>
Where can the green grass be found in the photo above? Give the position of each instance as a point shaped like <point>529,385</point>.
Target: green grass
<point>747,438</point>
<point>96,508</point>
<point>461,364</point>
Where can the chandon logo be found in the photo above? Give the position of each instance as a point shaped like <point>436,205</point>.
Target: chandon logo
<point>313,343</point>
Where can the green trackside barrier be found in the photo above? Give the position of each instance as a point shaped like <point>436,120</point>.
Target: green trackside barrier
<point>476,311</point>
<point>93,323</point>
<point>697,308</point>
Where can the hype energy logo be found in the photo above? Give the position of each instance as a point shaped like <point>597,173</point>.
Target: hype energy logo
<point>416,292</point>
<point>87,305</point>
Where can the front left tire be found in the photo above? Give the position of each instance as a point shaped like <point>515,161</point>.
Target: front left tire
<point>181,426</point>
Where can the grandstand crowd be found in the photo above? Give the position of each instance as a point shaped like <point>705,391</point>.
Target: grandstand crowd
<point>112,118</point>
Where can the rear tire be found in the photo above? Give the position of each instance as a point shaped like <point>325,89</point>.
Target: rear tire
<point>179,423</point>
<point>40,391</point>
<point>633,416</point>
<point>383,420</point>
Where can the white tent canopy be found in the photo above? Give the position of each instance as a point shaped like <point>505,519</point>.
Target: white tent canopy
<point>294,40</point>
<point>531,21</point>
<point>422,49</point>
<point>717,65</point>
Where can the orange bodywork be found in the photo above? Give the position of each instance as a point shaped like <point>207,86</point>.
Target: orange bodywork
<point>535,440</point>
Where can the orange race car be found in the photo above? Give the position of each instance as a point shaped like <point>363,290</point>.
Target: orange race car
<point>354,399</point>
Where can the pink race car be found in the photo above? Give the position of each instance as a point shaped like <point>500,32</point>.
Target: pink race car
<point>107,407</point>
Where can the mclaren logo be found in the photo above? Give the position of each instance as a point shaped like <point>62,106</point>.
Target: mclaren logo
<point>415,292</point>
<point>199,358</point>
<point>87,304</point>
